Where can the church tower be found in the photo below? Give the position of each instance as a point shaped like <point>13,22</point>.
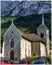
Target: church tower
<point>43,32</point>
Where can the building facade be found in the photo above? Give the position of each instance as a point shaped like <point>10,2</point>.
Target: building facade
<point>17,45</point>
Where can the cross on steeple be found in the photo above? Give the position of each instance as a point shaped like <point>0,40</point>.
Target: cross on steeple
<point>42,19</point>
<point>12,21</point>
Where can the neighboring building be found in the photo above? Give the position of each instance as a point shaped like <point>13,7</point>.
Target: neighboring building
<point>17,45</point>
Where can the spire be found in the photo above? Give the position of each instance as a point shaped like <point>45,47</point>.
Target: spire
<point>42,19</point>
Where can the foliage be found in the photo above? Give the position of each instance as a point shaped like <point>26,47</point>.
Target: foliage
<point>26,24</point>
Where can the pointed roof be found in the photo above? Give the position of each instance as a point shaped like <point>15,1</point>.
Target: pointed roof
<point>11,26</point>
<point>42,26</point>
<point>43,19</point>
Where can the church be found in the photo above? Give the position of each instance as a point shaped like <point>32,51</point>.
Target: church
<point>18,45</point>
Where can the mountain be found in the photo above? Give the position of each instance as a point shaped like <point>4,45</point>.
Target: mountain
<point>24,8</point>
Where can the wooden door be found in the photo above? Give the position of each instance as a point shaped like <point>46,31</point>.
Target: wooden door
<point>12,55</point>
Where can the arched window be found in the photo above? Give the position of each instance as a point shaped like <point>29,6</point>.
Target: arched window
<point>12,43</point>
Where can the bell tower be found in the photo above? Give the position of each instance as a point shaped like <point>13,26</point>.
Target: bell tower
<point>43,32</point>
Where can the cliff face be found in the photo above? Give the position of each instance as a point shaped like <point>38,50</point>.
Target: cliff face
<point>23,8</point>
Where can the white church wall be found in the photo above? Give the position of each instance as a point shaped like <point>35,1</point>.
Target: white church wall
<point>25,48</point>
<point>42,49</point>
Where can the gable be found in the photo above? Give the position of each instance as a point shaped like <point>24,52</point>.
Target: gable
<point>12,31</point>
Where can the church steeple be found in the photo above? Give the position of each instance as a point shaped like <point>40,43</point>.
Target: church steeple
<point>43,32</point>
<point>42,19</point>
